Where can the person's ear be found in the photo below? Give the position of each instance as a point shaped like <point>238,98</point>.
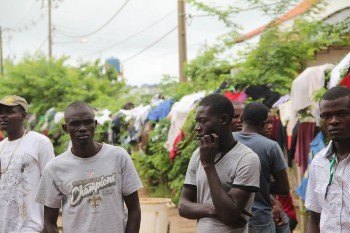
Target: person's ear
<point>225,119</point>
<point>64,127</point>
<point>24,115</point>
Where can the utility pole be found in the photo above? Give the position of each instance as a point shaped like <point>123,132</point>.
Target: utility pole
<point>50,28</point>
<point>182,39</point>
<point>1,57</point>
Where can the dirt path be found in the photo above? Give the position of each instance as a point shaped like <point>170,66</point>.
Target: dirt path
<point>180,225</point>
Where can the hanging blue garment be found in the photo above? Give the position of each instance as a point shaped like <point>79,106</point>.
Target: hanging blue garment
<point>161,111</point>
<point>317,144</point>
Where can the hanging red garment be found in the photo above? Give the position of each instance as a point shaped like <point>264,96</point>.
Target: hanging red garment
<point>1,136</point>
<point>345,81</point>
<point>174,149</point>
<point>306,133</point>
<point>236,96</point>
<point>287,205</point>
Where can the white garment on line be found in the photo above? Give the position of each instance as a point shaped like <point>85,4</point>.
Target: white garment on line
<point>338,69</point>
<point>304,86</point>
<point>139,113</point>
<point>178,115</point>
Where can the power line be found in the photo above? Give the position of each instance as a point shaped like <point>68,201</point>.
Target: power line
<point>42,44</point>
<point>104,25</point>
<point>151,45</point>
<point>133,35</point>
<point>21,21</point>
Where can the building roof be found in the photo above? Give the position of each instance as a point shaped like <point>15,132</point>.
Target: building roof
<point>300,9</point>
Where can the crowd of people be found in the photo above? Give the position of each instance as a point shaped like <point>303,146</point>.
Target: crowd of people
<point>236,180</point>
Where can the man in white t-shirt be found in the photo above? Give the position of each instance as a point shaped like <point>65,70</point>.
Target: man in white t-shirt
<point>222,175</point>
<point>91,182</point>
<point>23,156</point>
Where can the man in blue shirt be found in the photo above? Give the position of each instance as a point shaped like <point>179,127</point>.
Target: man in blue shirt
<point>272,165</point>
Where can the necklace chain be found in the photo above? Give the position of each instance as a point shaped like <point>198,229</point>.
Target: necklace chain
<point>8,165</point>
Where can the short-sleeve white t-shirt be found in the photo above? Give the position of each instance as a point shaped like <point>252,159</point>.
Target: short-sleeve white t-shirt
<point>18,210</point>
<point>91,190</point>
<point>239,168</point>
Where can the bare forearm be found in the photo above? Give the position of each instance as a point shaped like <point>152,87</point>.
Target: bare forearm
<point>313,224</point>
<point>50,228</point>
<point>193,210</point>
<point>133,223</point>
<point>225,207</point>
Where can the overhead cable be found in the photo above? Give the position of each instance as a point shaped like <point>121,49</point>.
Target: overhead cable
<point>102,26</point>
<point>133,35</point>
<point>42,44</point>
<point>150,46</point>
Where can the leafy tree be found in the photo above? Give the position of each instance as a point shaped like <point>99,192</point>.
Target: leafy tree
<point>50,83</point>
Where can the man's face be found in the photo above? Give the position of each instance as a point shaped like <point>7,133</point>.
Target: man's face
<point>237,121</point>
<point>335,118</point>
<point>11,118</point>
<point>267,130</point>
<point>80,124</point>
<point>206,122</point>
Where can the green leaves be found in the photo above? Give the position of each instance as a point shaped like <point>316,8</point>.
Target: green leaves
<point>52,83</point>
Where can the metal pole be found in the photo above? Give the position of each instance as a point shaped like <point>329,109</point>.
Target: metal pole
<point>50,29</point>
<point>182,39</point>
<point>1,54</point>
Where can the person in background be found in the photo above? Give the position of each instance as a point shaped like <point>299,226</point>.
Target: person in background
<point>236,120</point>
<point>284,212</point>
<point>222,175</point>
<point>273,166</point>
<point>23,157</point>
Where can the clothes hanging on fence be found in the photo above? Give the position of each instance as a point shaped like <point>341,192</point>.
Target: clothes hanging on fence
<point>161,111</point>
<point>337,71</point>
<point>306,134</point>
<point>345,82</point>
<point>315,146</point>
<point>178,115</point>
<point>263,92</point>
<point>103,116</point>
<point>279,133</point>
<point>236,96</point>
<point>138,114</point>
<point>281,100</point>
<point>175,149</point>
<point>304,87</point>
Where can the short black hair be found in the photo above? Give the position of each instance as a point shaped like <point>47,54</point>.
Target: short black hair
<point>255,113</point>
<point>76,105</point>
<point>336,93</point>
<point>218,104</point>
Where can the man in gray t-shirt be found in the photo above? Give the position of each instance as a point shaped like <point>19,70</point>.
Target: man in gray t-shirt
<point>222,175</point>
<point>272,165</point>
<point>92,182</point>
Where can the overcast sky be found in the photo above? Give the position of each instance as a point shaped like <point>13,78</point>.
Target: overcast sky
<point>27,20</point>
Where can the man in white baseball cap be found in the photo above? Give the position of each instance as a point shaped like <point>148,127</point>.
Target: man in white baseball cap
<point>23,156</point>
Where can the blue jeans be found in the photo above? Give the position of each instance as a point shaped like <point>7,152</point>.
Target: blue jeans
<point>265,228</point>
<point>285,228</point>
